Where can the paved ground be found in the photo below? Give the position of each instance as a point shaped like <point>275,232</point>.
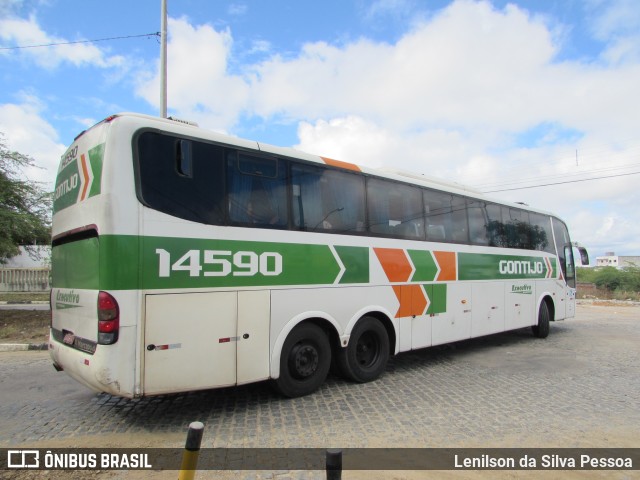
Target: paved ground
<point>577,388</point>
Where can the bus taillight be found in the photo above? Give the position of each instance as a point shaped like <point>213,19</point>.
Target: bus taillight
<point>108,319</point>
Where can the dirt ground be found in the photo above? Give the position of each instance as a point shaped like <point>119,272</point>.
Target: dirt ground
<point>24,326</point>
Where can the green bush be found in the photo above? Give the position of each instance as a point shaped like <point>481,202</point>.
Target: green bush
<point>612,279</point>
<point>586,274</point>
<point>609,278</point>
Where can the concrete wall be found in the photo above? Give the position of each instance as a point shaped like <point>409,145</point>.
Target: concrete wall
<point>25,279</point>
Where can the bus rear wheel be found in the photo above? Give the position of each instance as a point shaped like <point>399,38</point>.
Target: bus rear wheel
<point>541,330</point>
<point>304,361</point>
<point>366,356</point>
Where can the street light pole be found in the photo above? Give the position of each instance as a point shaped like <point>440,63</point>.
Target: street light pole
<point>163,60</point>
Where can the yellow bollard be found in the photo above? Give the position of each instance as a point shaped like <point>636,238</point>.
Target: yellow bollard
<point>191,451</point>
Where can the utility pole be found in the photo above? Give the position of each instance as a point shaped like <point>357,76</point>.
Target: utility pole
<point>163,59</point>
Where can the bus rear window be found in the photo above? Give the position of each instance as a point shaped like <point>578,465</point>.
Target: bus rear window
<point>181,178</point>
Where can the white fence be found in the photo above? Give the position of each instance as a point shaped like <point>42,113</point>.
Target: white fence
<point>25,279</point>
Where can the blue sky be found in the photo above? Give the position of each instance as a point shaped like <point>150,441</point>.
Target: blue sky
<point>493,94</point>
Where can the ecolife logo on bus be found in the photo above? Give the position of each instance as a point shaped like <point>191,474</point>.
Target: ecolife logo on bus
<point>67,299</point>
<point>520,267</point>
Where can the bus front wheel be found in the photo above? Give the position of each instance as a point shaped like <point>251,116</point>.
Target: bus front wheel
<point>366,356</point>
<point>541,330</point>
<point>304,361</point>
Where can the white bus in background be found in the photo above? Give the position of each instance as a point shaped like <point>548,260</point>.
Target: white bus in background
<point>185,259</point>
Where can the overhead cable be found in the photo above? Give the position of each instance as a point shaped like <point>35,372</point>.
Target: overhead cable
<point>153,34</point>
<point>562,183</point>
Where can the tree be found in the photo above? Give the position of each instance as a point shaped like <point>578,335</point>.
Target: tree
<point>609,278</point>
<point>25,206</point>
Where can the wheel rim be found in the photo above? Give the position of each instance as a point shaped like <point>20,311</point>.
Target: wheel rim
<point>303,360</point>
<point>367,349</point>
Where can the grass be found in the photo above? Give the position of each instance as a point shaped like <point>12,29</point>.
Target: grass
<point>603,294</point>
<point>24,326</point>
<point>19,297</point>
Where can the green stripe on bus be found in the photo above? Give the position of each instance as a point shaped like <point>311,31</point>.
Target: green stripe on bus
<point>119,262</point>
<point>76,265</point>
<point>67,187</point>
<point>96,155</point>
<point>474,266</point>
<point>426,268</point>
<point>437,294</point>
<point>203,263</point>
<point>356,263</point>
<point>130,262</point>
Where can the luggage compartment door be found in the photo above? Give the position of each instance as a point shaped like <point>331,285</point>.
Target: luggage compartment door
<point>190,341</point>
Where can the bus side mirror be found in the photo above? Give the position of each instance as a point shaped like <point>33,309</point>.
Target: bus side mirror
<point>584,256</point>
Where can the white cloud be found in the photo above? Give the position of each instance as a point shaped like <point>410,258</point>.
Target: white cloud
<point>198,84</point>
<point>23,32</point>
<point>384,9</point>
<point>27,132</point>
<point>352,137</point>
<point>451,98</point>
<point>617,22</point>
<point>9,6</point>
<point>470,65</point>
<point>237,9</point>
<point>614,17</point>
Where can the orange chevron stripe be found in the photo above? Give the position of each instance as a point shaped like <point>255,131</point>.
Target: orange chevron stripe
<point>85,175</point>
<point>341,164</point>
<point>448,266</point>
<point>549,267</point>
<point>412,298</point>
<point>395,264</point>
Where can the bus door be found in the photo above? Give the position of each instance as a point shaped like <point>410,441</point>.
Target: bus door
<point>204,340</point>
<point>570,273</point>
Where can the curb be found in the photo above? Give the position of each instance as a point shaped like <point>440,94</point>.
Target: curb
<point>29,302</point>
<point>22,347</point>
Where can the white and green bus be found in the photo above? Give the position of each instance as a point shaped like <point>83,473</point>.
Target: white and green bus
<point>184,259</point>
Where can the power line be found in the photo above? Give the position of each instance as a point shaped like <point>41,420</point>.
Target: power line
<point>587,156</point>
<point>153,34</point>
<point>562,183</point>
<point>509,182</point>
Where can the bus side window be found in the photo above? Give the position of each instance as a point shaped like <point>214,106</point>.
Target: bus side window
<point>520,231</point>
<point>257,190</point>
<point>395,209</point>
<point>495,226</point>
<point>437,216</point>
<point>478,232</point>
<point>460,226</point>
<point>565,253</point>
<point>184,158</point>
<point>327,200</point>
<point>541,238</point>
<point>568,255</point>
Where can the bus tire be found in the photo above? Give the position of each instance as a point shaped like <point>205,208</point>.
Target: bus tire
<point>304,361</point>
<point>541,330</point>
<point>366,356</point>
